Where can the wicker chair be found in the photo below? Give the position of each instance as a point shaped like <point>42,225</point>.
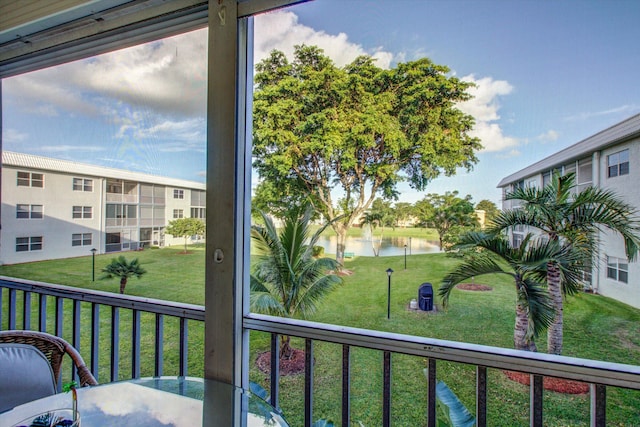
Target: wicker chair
<point>54,348</point>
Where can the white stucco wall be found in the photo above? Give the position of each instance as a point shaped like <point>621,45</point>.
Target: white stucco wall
<point>57,225</point>
<point>628,188</point>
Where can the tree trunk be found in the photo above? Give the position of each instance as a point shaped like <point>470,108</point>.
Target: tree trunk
<point>340,245</point>
<point>520,340</point>
<point>123,283</point>
<point>185,245</point>
<point>285,347</point>
<point>554,334</point>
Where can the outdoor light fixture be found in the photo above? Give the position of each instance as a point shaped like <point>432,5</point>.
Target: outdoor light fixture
<point>389,271</point>
<point>93,264</point>
<point>405,256</point>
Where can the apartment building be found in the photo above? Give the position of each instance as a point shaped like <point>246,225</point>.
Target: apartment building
<point>608,159</point>
<point>55,208</point>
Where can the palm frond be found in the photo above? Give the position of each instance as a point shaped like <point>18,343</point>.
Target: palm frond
<point>472,268</point>
<point>539,306</point>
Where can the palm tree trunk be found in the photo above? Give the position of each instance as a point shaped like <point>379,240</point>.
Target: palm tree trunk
<point>340,245</point>
<point>123,283</point>
<point>285,347</point>
<point>520,340</point>
<point>554,333</point>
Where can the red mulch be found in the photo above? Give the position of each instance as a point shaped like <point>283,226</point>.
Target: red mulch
<point>473,287</point>
<point>550,383</point>
<point>292,366</point>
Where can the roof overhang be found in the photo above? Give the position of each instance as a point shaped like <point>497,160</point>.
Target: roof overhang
<point>616,134</point>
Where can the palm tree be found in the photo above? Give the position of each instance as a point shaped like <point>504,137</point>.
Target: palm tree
<point>574,218</point>
<point>373,220</point>
<point>120,267</point>
<point>287,280</point>
<point>525,264</point>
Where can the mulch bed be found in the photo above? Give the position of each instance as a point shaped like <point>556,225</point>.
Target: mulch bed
<point>550,383</point>
<point>473,287</point>
<point>292,366</point>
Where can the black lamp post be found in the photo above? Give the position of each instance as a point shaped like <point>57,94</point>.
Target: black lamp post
<point>389,271</point>
<point>405,256</point>
<point>93,264</point>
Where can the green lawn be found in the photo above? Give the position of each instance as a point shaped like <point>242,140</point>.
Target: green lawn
<point>595,328</point>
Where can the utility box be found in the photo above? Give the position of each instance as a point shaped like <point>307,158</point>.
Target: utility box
<point>425,297</point>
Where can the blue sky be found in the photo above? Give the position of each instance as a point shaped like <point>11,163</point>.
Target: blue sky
<point>548,74</point>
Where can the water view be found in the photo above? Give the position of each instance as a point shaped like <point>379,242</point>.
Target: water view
<point>390,246</point>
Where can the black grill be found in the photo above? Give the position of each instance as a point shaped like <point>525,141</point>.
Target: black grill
<point>425,297</point>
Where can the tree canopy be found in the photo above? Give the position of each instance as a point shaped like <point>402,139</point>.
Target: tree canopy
<point>185,227</point>
<point>358,129</point>
<point>490,210</point>
<point>444,212</point>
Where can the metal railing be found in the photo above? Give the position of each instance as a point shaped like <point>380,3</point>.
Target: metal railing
<point>95,300</point>
<point>597,373</point>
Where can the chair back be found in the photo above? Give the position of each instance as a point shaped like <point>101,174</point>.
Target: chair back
<point>25,375</point>
<point>53,348</point>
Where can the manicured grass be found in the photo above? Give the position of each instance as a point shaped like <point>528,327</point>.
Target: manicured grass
<point>595,327</point>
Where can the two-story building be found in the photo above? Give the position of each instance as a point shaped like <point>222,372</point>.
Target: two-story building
<point>55,208</point>
<point>605,160</point>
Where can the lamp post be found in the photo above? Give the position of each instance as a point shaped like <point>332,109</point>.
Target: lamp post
<point>389,271</point>
<point>93,264</point>
<point>405,256</point>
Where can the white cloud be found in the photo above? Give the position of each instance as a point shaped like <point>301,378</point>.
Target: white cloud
<point>510,154</point>
<point>165,77</point>
<point>627,109</point>
<point>281,30</point>
<point>71,148</point>
<point>548,136</point>
<point>484,107</point>
<point>13,136</point>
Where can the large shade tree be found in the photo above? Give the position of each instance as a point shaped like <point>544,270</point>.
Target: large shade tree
<point>573,218</point>
<point>357,130</point>
<point>287,280</point>
<point>527,267</point>
<point>446,212</point>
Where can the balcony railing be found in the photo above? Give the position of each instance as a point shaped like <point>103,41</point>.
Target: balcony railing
<point>597,373</point>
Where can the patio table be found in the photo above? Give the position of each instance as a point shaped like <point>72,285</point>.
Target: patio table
<point>162,401</point>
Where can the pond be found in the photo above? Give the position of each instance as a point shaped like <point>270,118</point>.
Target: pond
<point>391,246</point>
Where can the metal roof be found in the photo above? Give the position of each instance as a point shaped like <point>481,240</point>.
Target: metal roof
<point>613,135</point>
<point>22,160</point>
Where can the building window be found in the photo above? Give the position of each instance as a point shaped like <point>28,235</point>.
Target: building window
<point>82,184</point>
<point>26,244</point>
<point>82,212</point>
<point>585,173</point>
<point>178,213</point>
<point>29,211</point>
<point>178,194</point>
<point>618,163</point>
<point>198,213</point>
<point>198,198</point>
<point>81,239</point>
<point>30,179</point>
<point>618,269</point>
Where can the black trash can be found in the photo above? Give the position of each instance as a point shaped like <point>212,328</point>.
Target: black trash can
<point>425,297</point>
